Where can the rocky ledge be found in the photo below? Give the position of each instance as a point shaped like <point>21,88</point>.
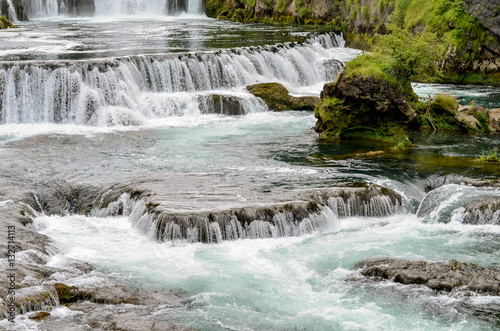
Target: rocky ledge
<point>483,211</point>
<point>453,276</point>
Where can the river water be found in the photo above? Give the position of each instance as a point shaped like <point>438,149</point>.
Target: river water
<point>103,98</point>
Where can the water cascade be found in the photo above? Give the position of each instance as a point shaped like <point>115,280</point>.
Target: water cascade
<point>269,222</point>
<point>125,91</point>
<point>111,8</point>
<point>12,11</point>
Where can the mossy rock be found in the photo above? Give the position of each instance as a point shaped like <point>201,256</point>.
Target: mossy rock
<point>65,293</point>
<point>277,97</point>
<point>365,107</point>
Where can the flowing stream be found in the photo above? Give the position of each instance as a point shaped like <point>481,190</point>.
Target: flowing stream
<point>102,98</point>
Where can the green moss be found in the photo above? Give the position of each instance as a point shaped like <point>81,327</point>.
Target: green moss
<point>445,103</point>
<point>343,122</point>
<point>64,293</point>
<point>370,65</point>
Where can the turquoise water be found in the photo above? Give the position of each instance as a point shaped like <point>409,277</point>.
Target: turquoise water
<point>291,283</point>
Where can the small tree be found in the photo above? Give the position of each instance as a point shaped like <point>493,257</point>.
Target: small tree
<point>409,55</point>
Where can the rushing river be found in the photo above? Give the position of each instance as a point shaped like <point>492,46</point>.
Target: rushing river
<point>104,98</point>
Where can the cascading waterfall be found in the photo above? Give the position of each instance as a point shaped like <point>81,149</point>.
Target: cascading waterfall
<point>125,91</point>
<point>130,7</point>
<point>277,221</point>
<point>111,8</point>
<point>42,8</point>
<point>12,11</point>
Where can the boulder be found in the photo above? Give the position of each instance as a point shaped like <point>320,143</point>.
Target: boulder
<point>381,96</point>
<point>467,118</point>
<point>493,119</point>
<point>437,276</point>
<point>366,108</point>
<point>277,97</point>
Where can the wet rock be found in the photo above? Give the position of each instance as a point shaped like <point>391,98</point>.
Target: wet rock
<point>39,316</point>
<point>466,117</point>
<point>267,215</point>
<point>364,107</point>
<point>277,98</point>
<point>380,96</point>
<point>454,276</point>
<point>484,211</point>
<point>494,120</point>
<point>222,104</point>
<point>333,68</point>
<point>65,293</point>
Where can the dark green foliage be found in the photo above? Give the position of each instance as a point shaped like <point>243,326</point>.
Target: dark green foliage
<point>4,22</point>
<point>410,55</point>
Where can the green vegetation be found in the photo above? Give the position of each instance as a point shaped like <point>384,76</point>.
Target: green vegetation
<point>5,23</point>
<point>409,55</point>
<point>446,18</point>
<point>491,157</point>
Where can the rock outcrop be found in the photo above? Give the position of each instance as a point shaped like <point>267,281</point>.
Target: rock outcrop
<point>171,215</point>
<point>365,107</point>
<point>487,12</point>
<point>277,97</point>
<point>454,276</point>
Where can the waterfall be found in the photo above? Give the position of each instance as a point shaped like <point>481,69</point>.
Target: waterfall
<point>130,7</point>
<point>271,221</point>
<point>12,11</point>
<point>51,8</point>
<point>42,8</point>
<point>126,90</point>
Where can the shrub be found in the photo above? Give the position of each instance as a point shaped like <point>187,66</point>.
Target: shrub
<point>446,102</point>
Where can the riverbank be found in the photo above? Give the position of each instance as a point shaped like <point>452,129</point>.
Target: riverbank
<point>472,43</point>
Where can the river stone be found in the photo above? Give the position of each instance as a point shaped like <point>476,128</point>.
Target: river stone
<point>277,97</point>
<point>494,120</point>
<point>454,276</point>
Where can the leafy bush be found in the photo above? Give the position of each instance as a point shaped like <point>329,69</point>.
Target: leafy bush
<point>410,55</point>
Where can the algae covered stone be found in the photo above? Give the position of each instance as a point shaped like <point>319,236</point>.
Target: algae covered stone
<point>277,97</point>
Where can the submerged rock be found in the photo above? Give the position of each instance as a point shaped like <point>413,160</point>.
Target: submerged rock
<point>276,97</point>
<point>437,276</point>
<point>221,104</point>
